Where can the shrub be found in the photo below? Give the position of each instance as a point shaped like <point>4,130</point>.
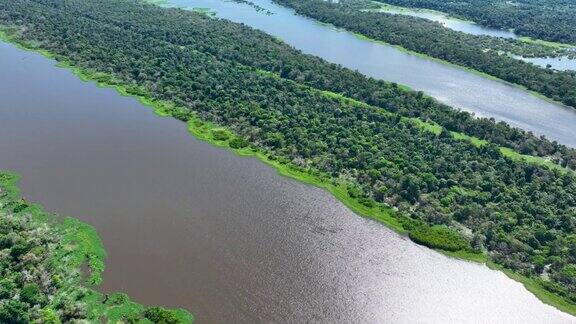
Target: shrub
<point>439,237</point>
<point>161,315</point>
<point>31,294</point>
<point>238,143</point>
<point>220,135</point>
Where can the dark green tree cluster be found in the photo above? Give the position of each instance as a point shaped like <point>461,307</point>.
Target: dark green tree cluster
<point>29,279</point>
<point>552,20</point>
<point>448,192</point>
<point>431,38</point>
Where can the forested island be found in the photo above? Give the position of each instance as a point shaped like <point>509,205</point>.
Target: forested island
<point>486,54</point>
<point>542,19</point>
<point>471,187</point>
<point>50,267</point>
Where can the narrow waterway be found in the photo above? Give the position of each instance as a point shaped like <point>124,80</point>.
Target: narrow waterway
<point>189,225</point>
<point>460,25</point>
<point>449,84</point>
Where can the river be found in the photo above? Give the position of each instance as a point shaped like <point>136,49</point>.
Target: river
<point>449,84</point>
<point>190,225</point>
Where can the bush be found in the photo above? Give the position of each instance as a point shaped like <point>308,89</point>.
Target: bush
<point>220,135</point>
<point>161,315</point>
<point>238,143</point>
<point>439,237</point>
<point>14,311</point>
<point>367,202</point>
<point>49,316</point>
<point>20,208</point>
<point>31,294</point>
<point>19,250</point>
<point>118,299</point>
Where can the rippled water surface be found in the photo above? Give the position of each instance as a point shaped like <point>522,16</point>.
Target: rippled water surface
<point>189,225</point>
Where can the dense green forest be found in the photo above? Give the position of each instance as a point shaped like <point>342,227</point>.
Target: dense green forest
<point>372,137</point>
<point>41,256</point>
<point>552,20</point>
<point>431,38</point>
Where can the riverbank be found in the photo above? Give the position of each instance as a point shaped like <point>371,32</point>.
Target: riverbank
<point>77,260</point>
<point>225,138</point>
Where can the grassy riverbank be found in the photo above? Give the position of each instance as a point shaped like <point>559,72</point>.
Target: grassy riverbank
<point>70,291</point>
<point>225,138</point>
<point>527,39</point>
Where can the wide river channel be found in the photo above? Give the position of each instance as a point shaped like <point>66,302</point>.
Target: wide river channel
<point>189,225</point>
